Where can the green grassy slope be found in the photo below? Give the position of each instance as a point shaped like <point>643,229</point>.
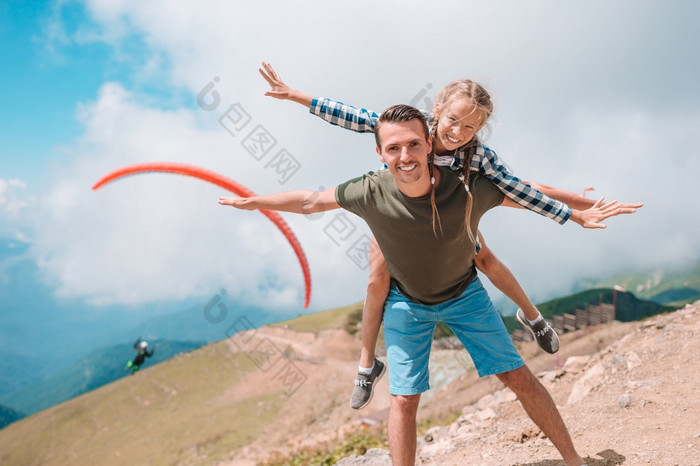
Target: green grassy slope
<point>94,370</point>
<point>8,416</point>
<point>665,286</point>
<point>181,411</point>
<point>629,307</point>
<point>345,317</point>
<point>17,371</point>
<point>172,413</point>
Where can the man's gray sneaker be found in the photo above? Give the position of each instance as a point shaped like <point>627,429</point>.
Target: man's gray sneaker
<point>364,385</point>
<point>544,334</point>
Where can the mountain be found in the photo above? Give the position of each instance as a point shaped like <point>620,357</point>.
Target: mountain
<point>672,286</point>
<point>94,370</point>
<point>30,384</point>
<point>8,416</point>
<point>189,330</point>
<point>276,395</point>
<point>17,371</point>
<point>42,333</point>
<point>197,407</point>
<point>208,320</point>
<point>626,392</point>
<point>628,307</point>
<point>676,296</point>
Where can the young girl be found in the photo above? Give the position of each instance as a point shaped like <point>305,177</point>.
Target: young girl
<point>462,108</point>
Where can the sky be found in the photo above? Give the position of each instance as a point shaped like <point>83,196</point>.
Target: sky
<point>601,94</point>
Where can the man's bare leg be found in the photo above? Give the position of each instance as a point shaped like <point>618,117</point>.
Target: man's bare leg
<point>402,429</point>
<point>540,406</point>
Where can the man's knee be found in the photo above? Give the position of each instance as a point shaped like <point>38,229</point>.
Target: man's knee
<point>406,404</point>
<point>518,379</point>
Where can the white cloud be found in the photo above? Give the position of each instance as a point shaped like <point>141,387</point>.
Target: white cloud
<point>636,157</point>
<point>581,101</point>
<point>155,237</point>
<point>11,195</point>
<point>14,203</point>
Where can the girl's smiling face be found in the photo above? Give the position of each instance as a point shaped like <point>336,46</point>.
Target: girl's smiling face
<point>458,122</point>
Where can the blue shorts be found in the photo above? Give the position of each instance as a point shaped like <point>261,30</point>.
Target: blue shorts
<point>409,328</point>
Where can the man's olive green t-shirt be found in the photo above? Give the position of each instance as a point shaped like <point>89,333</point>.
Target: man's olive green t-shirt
<point>425,268</point>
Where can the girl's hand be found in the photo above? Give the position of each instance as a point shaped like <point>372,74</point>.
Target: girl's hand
<point>591,218</point>
<point>278,89</point>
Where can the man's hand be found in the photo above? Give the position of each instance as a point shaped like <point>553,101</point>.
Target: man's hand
<point>237,202</point>
<point>591,217</point>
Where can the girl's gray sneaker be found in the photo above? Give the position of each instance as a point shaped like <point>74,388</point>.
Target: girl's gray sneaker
<point>544,334</point>
<point>364,385</point>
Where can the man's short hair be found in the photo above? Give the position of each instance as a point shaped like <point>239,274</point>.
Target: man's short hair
<point>400,113</point>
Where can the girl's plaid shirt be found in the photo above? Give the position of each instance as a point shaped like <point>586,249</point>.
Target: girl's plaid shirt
<point>485,161</point>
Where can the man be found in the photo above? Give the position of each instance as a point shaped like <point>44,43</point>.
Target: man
<point>417,214</point>
<point>141,348</point>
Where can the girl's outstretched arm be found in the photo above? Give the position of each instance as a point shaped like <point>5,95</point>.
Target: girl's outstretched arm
<point>595,214</point>
<point>486,162</point>
<point>578,201</point>
<point>279,90</point>
<point>521,194</point>
<point>337,113</point>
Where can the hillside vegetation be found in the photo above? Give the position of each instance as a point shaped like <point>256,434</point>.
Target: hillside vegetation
<point>628,307</point>
<point>94,370</point>
<point>8,416</point>
<point>675,288</point>
<point>197,407</point>
<point>345,317</point>
<point>173,412</point>
<point>269,394</point>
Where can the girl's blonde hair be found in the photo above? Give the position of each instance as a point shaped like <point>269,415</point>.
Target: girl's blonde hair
<point>481,100</point>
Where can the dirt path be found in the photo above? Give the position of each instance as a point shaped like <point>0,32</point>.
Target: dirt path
<point>634,402</point>
<point>629,392</point>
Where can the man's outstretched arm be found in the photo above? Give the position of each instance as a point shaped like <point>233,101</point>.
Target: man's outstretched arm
<point>298,202</point>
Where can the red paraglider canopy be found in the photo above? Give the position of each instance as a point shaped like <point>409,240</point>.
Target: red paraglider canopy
<point>223,182</point>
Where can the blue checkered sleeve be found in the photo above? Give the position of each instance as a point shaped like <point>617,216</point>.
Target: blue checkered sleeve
<point>486,162</point>
<point>355,119</point>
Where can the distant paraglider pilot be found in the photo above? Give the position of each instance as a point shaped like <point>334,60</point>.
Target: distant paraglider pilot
<point>141,348</point>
